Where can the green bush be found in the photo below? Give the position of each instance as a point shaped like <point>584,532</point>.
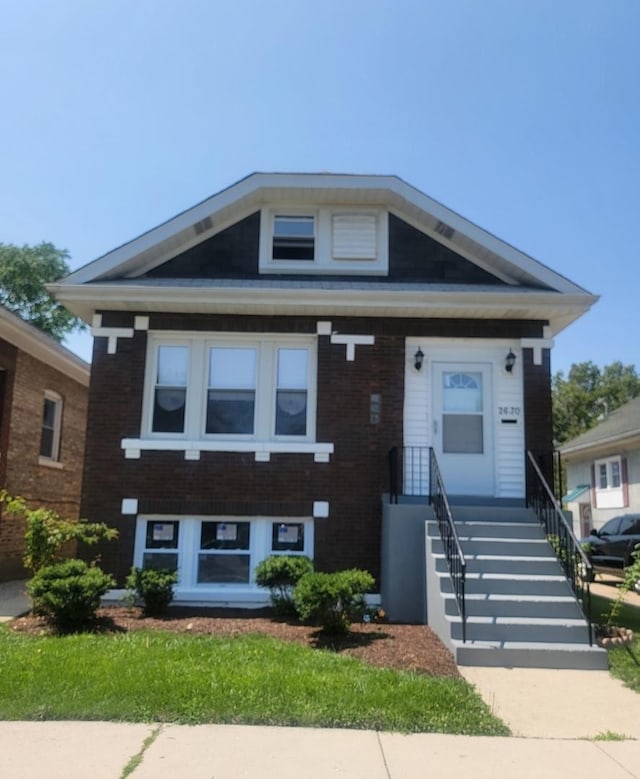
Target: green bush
<point>47,533</point>
<point>333,600</point>
<point>69,593</point>
<point>280,574</point>
<point>153,586</point>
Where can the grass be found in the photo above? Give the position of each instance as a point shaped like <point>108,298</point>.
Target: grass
<point>166,677</point>
<point>624,661</point>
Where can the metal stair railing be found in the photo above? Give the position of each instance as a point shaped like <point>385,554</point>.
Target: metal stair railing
<point>571,556</point>
<point>453,551</point>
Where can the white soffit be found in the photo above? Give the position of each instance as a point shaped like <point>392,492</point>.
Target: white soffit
<point>503,303</point>
<point>249,194</point>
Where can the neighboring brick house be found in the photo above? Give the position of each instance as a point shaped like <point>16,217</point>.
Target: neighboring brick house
<point>603,469</point>
<point>257,356</point>
<point>44,390</point>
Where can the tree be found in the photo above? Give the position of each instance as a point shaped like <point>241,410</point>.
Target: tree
<point>24,271</point>
<point>587,394</point>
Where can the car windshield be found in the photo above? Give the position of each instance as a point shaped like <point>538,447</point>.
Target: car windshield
<point>611,528</point>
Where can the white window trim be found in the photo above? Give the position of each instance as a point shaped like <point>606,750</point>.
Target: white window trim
<point>609,496</point>
<point>324,261</point>
<point>53,460</point>
<point>260,540</point>
<point>263,442</point>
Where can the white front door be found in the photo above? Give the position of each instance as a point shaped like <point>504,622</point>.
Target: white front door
<point>461,434</point>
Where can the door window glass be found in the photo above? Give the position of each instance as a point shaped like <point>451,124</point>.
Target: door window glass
<point>462,422</point>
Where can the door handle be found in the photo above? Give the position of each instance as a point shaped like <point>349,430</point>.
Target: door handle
<point>435,427</point>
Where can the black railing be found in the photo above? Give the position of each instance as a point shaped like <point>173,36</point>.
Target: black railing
<point>408,471</point>
<point>453,551</point>
<point>572,557</point>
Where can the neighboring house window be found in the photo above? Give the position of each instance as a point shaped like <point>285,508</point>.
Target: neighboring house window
<point>232,388</point>
<point>293,238</point>
<point>609,479</point>
<point>51,426</point>
<point>218,551</point>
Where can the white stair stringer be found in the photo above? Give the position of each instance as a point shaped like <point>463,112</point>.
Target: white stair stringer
<point>521,611</point>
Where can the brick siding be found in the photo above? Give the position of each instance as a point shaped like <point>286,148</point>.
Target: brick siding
<point>22,474</point>
<point>233,483</point>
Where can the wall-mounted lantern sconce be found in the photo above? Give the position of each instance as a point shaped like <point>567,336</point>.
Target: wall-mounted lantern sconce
<point>418,358</point>
<point>509,361</point>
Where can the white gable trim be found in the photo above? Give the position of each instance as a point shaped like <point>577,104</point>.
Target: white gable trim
<point>257,189</point>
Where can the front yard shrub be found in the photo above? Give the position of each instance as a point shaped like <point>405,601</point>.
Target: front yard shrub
<point>69,593</point>
<point>333,600</point>
<point>280,574</point>
<point>47,533</point>
<point>154,587</point>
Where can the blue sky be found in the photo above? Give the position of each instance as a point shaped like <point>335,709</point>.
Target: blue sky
<point>521,115</point>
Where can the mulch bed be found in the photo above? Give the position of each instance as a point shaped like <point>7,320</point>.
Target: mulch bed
<point>386,645</point>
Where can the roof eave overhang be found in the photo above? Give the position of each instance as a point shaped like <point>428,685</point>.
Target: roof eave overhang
<point>40,346</point>
<point>558,310</point>
<point>628,440</point>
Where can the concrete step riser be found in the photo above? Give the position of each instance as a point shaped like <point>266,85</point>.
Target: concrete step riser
<point>492,514</point>
<point>508,587</point>
<point>527,547</point>
<point>490,530</point>
<point>595,660</point>
<point>507,566</point>
<point>547,634</point>
<point>517,608</point>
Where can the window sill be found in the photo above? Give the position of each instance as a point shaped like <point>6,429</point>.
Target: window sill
<point>49,463</point>
<point>133,447</point>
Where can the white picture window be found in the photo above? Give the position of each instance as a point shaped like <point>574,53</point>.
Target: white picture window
<point>51,426</point>
<point>609,483</point>
<point>235,388</point>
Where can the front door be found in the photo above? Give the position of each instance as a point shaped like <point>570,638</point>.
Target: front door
<point>461,431</point>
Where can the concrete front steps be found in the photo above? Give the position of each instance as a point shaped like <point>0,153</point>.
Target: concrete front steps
<point>521,611</point>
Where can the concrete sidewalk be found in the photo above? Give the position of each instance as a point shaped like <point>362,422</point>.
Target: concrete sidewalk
<point>14,600</point>
<point>552,714</point>
<point>77,750</point>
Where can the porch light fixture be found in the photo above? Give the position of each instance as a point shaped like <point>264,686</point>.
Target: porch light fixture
<point>418,358</point>
<point>509,361</point>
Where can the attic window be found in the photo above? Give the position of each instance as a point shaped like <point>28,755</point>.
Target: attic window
<point>293,238</point>
<point>444,230</point>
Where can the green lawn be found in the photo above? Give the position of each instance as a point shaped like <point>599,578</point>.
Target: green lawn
<point>624,662</point>
<point>154,676</point>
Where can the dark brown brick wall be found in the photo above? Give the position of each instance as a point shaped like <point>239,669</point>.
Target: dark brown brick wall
<point>352,482</point>
<point>41,485</point>
<point>537,407</point>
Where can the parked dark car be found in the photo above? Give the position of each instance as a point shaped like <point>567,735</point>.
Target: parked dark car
<point>611,546</point>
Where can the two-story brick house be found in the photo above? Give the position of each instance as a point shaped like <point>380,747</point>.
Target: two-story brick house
<point>44,390</point>
<point>257,356</point>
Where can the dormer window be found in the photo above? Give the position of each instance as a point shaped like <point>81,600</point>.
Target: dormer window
<point>332,240</point>
<point>293,238</point>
